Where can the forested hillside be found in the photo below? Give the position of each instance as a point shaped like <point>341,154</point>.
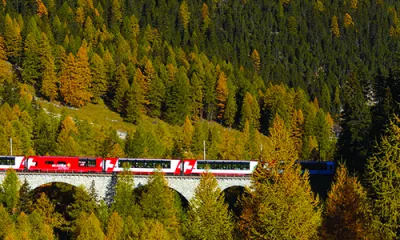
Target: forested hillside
<point>238,63</point>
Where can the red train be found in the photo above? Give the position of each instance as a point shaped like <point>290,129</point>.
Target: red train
<point>146,166</point>
<point>136,165</point>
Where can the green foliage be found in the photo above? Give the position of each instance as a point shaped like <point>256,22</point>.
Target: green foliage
<point>10,190</point>
<point>383,174</point>
<point>208,216</point>
<point>88,228</point>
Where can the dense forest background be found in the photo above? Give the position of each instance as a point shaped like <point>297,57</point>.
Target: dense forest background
<point>327,68</point>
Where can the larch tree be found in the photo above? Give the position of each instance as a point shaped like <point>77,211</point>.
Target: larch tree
<point>255,57</point>
<point>83,68</point>
<point>230,109</point>
<point>66,144</point>
<point>177,99</point>
<point>99,78</point>
<point>10,191</point>
<point>158,203</point>
<point>187,134</point>
<point>250,111</point>
<point>124,202</point>
<point>121,77</point>
<point>335,27</point>
<point>82,203</point>
<point>46,209</point>
<point>40,229</point>
<point>348,213</point>
<point>383,175</point>
<point>115,227</point>
<point>49,78</point>
<point>184,15</point>
<point>12,38</point>
<point>70,88</point>
<point>23,227</point>
<point>279,204</point>
<point>3,53</point>
<point>135,100</point>
<point>31,66</point>
<point>222,94</point>
<point>41,9</point>
<point>25,196</point>
<point>89,228</point>
<point>208,216</point>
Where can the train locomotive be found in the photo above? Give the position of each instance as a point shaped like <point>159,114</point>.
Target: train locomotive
<point>140,166</point>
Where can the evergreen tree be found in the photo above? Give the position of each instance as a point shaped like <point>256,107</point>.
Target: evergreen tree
<point>187,134</point>
<point>177,99</point>
<point>10,190</point>
<point>124,202</point>
<point>6,223</point>
<point>40,230</point>
<point>66,145</point>
<point>115,227</point>
<point>383,174</point>
<point>222,94</point>
<point>99,78</point>
<point>49,78</point>
<point>88,228</point>
<point>348,212</point>
<point>280,203</point>
<point>12,39</point>
<point>31,65</point>
<point>354,139</point>
<point>230,110</point>
<point>158,203</point>
<point>46,209</point>
<point>208,216</point>
<point>3,54</point>
<point>25,198</point>
<point>121,77</point>
<point>82,204</point>
<point>23,226</point>
<point>250,111</point>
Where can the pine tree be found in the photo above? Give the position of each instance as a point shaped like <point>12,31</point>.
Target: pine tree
<point>196,95</point>
<point>135,99</point>
<point>124,203</point>
<point>83,68</point>
<point>12,38</point>
<point>383,174</point>
<point>10,191</point>
<point>46,209</point>
<point>250,111</point>
<point>158,203</point>
<point>31,65</point>
<point>25,198</point>
<point>335,27</point>
<point>121,77</point>
<point>155,97</point>
<point>3,54</point>
<point>82,203</point>
<point>230,110</point>
<point>115,227</point>
<point>208,216</point>
<point>255,57</point>
<point>187,134</point>
<point>348,212</point>
<point>66,145</point>
<point>99,78</point>
<point>89,228</point>
<point>222,94</point>
<point>184,15</point>
<point>49,78</point>
<point>279,203</point>
<point>177,99</point>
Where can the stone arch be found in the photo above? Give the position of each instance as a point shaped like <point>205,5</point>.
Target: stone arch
<point>232,195</point>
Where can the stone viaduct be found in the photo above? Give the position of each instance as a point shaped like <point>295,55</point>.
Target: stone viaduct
<point>105,183</point>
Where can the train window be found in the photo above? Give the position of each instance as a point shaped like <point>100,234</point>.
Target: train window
<point>201,165</point>
<point>62,163</point>
<point>313,166</point>
<point>7,161</point>
<point>87,162</point>
<point>245,166</point>
<point>49,162</point>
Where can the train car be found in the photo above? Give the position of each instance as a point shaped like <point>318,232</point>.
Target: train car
<point>318,167</point>
<point>220,167</point>
<point>14,162</point>
<point>65,164</point>
<point>143,166</point>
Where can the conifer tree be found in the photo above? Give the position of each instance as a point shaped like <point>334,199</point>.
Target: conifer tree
<point>115,227</point>
<point>335,27</point>
<point>6,223</point>
<point>31,65</point>
<point>23,227</point>
<point>83,68</point>
<point>222,94</point>
<point>3,54</point>
<point>250,111</point>
<point>255,57</point>
<point>124,203</point>
<point>158,203</point>
<point>187,134</point>
<point>135,98</point>
<point>12,38</point>
<point>99,78</point>
<point>230,110</point>
<point>208,216</point>
<point>184,15</point>
<point>280,203</point>
<point>177,99</point>
<point>66,145</point>
<point>121,77</point>
<point>49,78</point>
<point>73,87</point>
<point>10,190</point>
<point>89,228</point>
<point>40,230</point>
<point>348,212</point>
<point>41,9</point>
<point>196,96</point>
<point>155,97</point>
<point>46,209</point>
<point>25,196</point>
<point>383,175</point>
<point>82,203</point>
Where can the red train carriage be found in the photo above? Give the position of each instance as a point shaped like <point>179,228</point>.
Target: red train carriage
<point>143,166</point>
<point>14,162</point>
<point>65,164</point>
